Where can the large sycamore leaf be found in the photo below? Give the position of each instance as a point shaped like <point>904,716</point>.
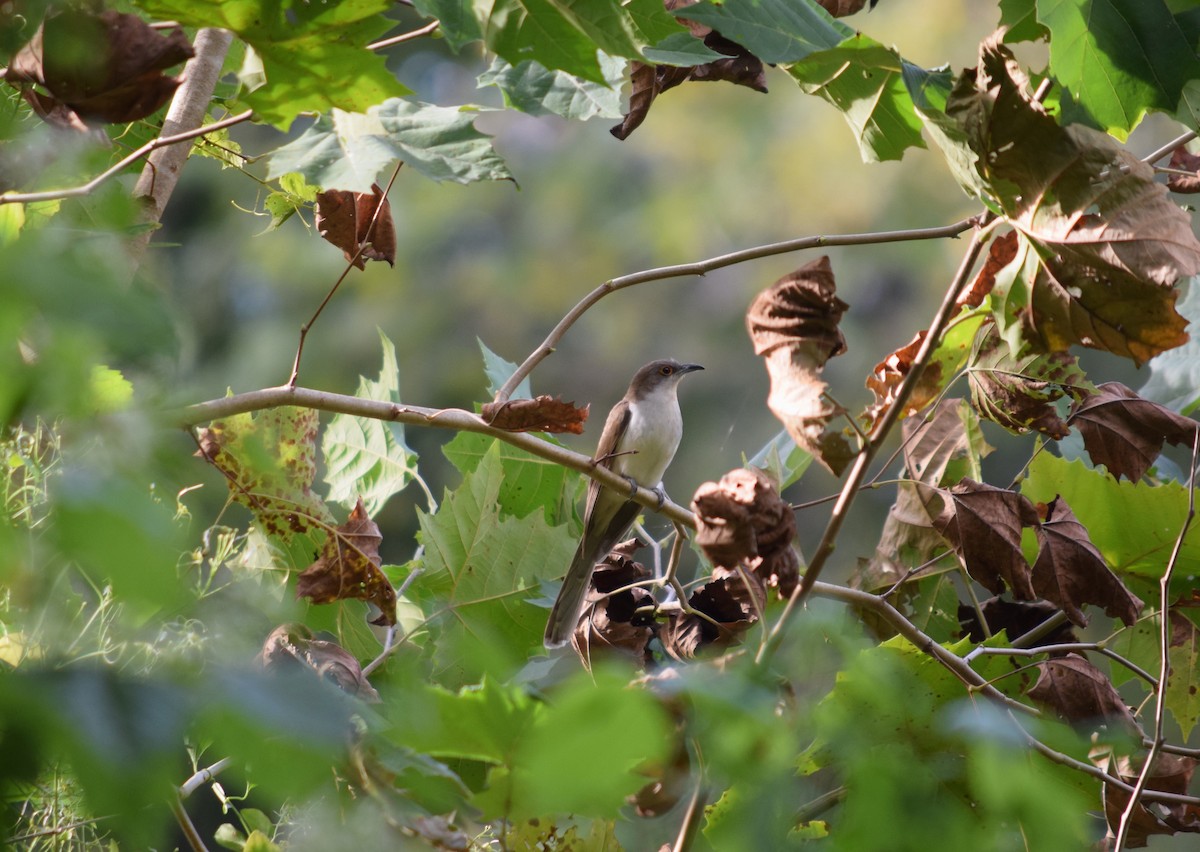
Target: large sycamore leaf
<point>777,31</point>
<point>314,55</point>
<point>1117,60</point>
<point>559,35</point>
<point>1132,525</point>
<point>347,150</point>
<point>528,483</point>
<point>983,524</point>
<point>479,570</point>
<point>1142,644</point>
<point>367,459</point>
<point>534,89</point>
<point>1126,433</point>
<point>1102,244</point>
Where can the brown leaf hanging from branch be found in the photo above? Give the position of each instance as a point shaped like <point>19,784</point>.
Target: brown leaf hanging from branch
<point>616,621</point>
<point>1102,244</point>
<point>1070,572</point>
<point>542,414</point>
<point>97,68</point>
<point>1183,161</point>
<point>983,524</point>
<point>794,326</point>
<point>1015,618</point>
<point>348,568</point>
<point>1125,432</point>
<point>345,219</point>
<point>1019,393</point>
<point>1081,694</point>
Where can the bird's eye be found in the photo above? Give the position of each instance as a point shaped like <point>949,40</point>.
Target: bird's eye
<point>665,370</point>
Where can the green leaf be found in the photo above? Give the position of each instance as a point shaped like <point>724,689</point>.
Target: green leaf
<point>456,20</point>
<point>681,49</point>
<point>313,55</point>
<point>498,371</point>
<point>479,723</point>
<point>364,457</point>
<point>1020,17</point>
<point>1140,644</point>
<point>108,390</point>
<point>929,91</point>
<point>529,482</point>
<point>1133,525</point>
<point>535,90</point>
<point>776,31</point>
<point>781,458</point>
<point>863,79</point>
<point>480,570</point>
<point>346,150</point>
<point>1117,59</point>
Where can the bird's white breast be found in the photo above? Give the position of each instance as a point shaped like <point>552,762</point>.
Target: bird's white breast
<point>655,429</point>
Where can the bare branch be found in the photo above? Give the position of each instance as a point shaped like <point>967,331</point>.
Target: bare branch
<point>153,145</point>
<point>400,39</point>
<point>442,418</point>
<point>1164,670</point>
<point>186,113</point>
<point>203,776</point>
<point>703,267</point>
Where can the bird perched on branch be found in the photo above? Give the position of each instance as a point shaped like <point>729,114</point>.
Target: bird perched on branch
<point>640,438</point>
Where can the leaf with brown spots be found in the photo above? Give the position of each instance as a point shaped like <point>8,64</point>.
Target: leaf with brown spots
<point>1019,393</point>
<point>348,220</point>
<point>348,568</point>
<point>80,68</point>
<point>270,462</point>
<point>1125,432</point>
<point>542,414</point>
<point>983,524</point>
<point>794,327</point>
<point>1070,572</point>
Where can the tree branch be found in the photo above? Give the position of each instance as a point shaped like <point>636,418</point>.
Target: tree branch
<point>442,418</point>
<point>186,113</point>
<point>702,267</point>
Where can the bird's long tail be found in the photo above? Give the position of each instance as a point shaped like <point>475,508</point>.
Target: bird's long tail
<point>569,605</point>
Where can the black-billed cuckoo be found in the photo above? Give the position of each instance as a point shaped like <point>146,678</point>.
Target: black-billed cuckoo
<point>640,438</point>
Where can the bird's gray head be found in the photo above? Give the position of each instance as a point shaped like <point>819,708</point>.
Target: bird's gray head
<point>658,374</point>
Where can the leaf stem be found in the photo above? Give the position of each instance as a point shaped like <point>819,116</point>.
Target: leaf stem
<point>403,37</point>
<point>702,267</point>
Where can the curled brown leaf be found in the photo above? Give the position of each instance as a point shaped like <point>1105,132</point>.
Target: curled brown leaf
<point>1083,695</point>
<point>348,568</point>
<point>348,220</point>
<point>541,414</point>
<point>794,326</point>
<point>292,645</point>
<point>81,67</point>
<point>1184,161</point>
<point>983,524</point>
<point>1125,432</point>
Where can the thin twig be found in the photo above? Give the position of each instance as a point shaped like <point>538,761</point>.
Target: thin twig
<point>403,37</point>
<point>187,827</point>
<point>1164,670</point>
<point>692,818</point>
<point>879,433</point>
<point>1065,648</point>
<point>203,776</point>
<point>1155,156</point>
<point>366,241</point>
<point>91,185</point>
<point>703,267</point>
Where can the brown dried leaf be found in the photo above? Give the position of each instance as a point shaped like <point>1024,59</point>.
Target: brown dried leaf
<point>1019,393</point>
<point>842,8</point>
<point>1169,773</point>
<point>1069,570</point>
<point>345,219</point>
<point>647,82</point>
<point>936,446</point>
<point>612,622</point>
<point>1102,243</point>
<point>733,601</point>
<point>1125,432</point>
<point>794,326</point>
<point>348,568</point>
<point>105,68</point>
<point>983,524</point>
<point>1001,252</point>
<point>1015,618</point>
<point>543,414</point>
<point>1082,695</point>
<point>291,645</point>
<point>742,520</point>
<point>1183,161</point>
